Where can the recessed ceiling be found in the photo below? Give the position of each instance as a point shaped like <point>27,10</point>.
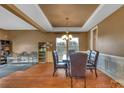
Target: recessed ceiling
<point>78,13</point>
<point>82,17</point>
<point>10,21</point>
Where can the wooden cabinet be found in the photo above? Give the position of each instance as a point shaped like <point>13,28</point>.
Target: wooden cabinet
<point>5,50</point>
<point>44,50</point>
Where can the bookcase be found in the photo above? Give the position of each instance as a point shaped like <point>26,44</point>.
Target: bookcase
<point>44,52</point>
<point>5,50</point>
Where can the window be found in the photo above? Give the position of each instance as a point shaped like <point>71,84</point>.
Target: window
<point>61,46</point>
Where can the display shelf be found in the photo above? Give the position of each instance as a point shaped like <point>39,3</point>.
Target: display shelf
<point>5,50</point>
<point>43,48</point>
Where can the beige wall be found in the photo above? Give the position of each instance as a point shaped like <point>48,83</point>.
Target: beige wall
<point>3,35</point>
<point>111,34</point>
<point>111,41</point>
<point>88,37</point>
<point>28,40</point>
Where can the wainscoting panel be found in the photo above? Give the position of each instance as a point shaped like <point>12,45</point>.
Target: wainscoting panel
<point>112,66</point>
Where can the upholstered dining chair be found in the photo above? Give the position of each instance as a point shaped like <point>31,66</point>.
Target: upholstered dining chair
<point>78,66</point>
<point>57,64</point>
<point>71,52</point>
<point>92,61</point>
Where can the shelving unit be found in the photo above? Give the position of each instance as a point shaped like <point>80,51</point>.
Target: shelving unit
<point>42,52</point>
<point>44,49</point>
<point>5,50</point>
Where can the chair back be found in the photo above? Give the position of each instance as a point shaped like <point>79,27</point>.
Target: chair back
<point>71,52</point>
<point>93,57</point>
<point>89,54</point>
<point>78,64</point>
<point>55,57</point>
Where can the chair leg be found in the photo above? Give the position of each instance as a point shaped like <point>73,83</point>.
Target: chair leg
<point>91,70</point>
<point>54,72</point>
<point>85,82</point>
<point>71,82</point>
<point>96,72</point>
<point>66,71</point>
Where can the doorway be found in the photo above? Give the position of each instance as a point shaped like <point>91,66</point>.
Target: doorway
<point>93,38</point>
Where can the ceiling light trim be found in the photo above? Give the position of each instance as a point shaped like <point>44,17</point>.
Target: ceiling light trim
<point>70,29</point>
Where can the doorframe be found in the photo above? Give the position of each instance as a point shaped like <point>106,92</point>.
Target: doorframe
<point>92,38</point>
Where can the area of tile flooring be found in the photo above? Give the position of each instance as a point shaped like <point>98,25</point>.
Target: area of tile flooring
<point>40,76</point>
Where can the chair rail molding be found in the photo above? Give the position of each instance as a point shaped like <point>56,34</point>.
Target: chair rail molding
<point>113,66</point>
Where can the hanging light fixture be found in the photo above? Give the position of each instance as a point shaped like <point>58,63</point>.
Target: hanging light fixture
<point>67,36</point>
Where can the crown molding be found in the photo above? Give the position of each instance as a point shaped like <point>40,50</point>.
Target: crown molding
<point>67,29</point>
<point>13,9</point>
<point>102,12</point>
<point>39,20</point>
<point>36,14</point>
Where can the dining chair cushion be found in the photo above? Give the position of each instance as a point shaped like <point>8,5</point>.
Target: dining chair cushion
<point>61,65</point>
<point>90,65</point>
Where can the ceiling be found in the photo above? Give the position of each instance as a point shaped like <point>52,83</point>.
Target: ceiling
<point>77,14</point>
<point>51,17</point>
<point>9,21</point>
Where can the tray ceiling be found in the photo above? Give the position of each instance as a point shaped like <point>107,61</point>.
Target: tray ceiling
<point>51,17</point>
<point>77,13</point>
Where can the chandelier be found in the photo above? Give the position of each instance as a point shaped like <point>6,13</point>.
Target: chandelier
<point>67,36</point>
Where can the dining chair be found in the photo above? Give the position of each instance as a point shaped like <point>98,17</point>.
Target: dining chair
<point>71,51</point>
<point>89,54</point>
<point>58,64</point>
<point>78,66</point>
<point>92,61</point>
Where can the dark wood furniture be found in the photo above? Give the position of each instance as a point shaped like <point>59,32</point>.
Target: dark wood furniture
<point>78,66</point>
<point>58,64</point>
<point>5,50</point>
<point>92,61</point>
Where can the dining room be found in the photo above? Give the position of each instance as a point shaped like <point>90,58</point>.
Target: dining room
<point>61,46</point>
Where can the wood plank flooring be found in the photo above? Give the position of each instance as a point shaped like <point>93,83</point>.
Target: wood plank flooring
<point>40,76</point>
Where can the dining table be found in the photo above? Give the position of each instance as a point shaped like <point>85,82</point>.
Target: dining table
<point>67,60</point>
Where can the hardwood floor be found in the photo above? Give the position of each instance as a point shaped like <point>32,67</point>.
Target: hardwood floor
<point>40,76</point>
